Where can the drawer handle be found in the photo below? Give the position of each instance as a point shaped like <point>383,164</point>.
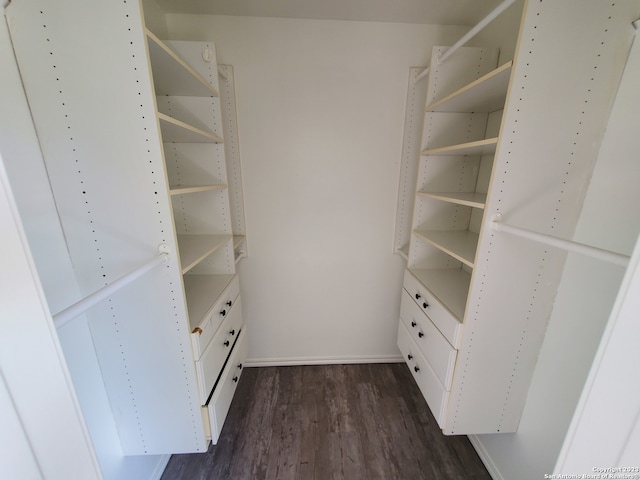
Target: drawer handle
<point>232,332</point>
<point>229,303</point>
<point>240,366</point>
<point>418,296</point>
<point>425,304</point>
<point>410,357</point>
<point>235,379</point>
<point>416,369</point>
<point>420,334</point>
<point>413,324</point>
<point>223,312</point>
<point>226,343</point>
<point>197,330</point>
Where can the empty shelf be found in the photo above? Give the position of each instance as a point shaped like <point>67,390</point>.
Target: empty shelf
<point>195,248</point>
<point>486,94</point>
<point>450,286</point>
<point>202,291</point>
<point>172,75</point>
<point>460,244</point>
<point>470,199</point>
<point>185,189</point>
<point>479,147</point>
<point>176,131</point>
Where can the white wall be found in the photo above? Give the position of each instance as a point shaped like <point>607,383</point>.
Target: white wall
<point>320,117</point>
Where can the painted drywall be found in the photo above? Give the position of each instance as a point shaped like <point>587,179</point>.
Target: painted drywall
<point>320,116</point>
<point>586,294</point>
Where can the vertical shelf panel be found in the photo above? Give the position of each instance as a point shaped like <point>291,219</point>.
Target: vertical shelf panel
<point>410,160</point>
<point>543,165</point>
<point>101,146</point>
<point>232,156</point>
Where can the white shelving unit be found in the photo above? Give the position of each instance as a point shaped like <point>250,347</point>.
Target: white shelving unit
<point>488,148</point>
<point>133,138</point>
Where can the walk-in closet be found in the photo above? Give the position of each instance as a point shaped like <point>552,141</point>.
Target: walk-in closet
<point>194,189</point>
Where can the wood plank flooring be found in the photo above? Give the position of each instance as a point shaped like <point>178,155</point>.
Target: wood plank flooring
<point>326,422</point>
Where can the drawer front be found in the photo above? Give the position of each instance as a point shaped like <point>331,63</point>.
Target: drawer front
<point>435,348</point>
<point>202,335</point>
<point>440,315</point>
<point>210,364</point>
<point>221,401</point>
<point>432,390</point>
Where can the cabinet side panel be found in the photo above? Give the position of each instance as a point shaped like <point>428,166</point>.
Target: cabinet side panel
<point>557,108</point>
<point>232,149</point>
<point>85,71</point>
<point>410,160</point>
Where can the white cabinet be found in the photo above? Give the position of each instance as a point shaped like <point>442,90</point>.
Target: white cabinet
<point>132,132</point>
<point>516,138</point>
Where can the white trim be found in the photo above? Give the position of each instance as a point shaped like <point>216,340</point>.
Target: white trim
<point>160,467</point>
<point>289,361</point>
<point>485,457</point>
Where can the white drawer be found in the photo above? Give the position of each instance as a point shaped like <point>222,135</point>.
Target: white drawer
<point>440,315</point>
<point>220,402</point>
<point>210,364</point>
<point>202,334</point>
<point>432,390</point>
<point>435,348</point>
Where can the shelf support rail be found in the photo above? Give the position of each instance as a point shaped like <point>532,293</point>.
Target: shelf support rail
<point>467,36</point>
<point>568,245</point>
<point>63,317</point>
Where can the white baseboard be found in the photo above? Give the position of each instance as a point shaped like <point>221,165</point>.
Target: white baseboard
<point>289,361</point>
<point>160,466</point>
<point>485,457</point>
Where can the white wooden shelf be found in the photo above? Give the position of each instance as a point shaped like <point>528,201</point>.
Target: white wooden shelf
<point>470,199</point>
<point>186,189</point>
<point>449,285</point>
<point>202,292</point>
<point>238,240</point>
<point>460,244</point>
<point>172,75</point>
<point>486,94</point>
<point>195,248</point>
<point>479,147</point>
<point>176,131</point>
<point>403,251</point>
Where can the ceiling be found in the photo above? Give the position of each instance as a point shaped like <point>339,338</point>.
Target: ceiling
<point>440,12</point>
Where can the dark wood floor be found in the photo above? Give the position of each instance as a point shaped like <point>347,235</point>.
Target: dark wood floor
<point>330,422</point>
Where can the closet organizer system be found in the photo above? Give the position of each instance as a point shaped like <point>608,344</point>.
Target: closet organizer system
<point>133,133</point>
<point>506,151</point>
